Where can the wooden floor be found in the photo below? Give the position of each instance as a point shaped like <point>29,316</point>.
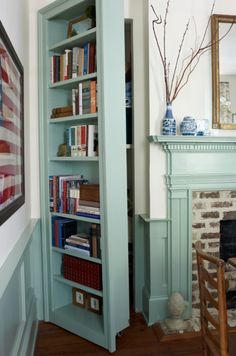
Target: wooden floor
<point>137,340</point>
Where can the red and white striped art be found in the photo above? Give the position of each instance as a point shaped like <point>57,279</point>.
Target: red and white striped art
<point>11,129</point>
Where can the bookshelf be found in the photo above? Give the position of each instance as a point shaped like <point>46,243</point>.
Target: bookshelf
<point>64,170</point>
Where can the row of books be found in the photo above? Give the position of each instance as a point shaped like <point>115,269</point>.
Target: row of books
<point>75,62</point>
<point>81,141</point>
<point>82,271</point>
<point>71,194</point>
<point>64,192</point>
<point>65,235</point>
<point>84,98</point>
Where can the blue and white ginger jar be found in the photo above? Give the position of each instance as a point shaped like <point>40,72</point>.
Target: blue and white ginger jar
<point>188,127</point>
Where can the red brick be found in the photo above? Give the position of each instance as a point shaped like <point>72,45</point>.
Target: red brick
<point>229,215</point>
<point>198,225</point>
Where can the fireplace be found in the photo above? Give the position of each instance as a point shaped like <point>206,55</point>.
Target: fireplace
<point>227,239</point>
<point>203,166</point>
<point>214,223</point>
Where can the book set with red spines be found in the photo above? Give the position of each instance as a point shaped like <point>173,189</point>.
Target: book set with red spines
<point>82,271</point>
<point>74,62</point>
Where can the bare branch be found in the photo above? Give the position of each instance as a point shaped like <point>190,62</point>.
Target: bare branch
<point>178,56</point>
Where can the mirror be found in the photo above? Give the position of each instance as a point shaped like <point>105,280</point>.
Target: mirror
<point>223,37</point>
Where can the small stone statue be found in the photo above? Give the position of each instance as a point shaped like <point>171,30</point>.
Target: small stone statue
<point>177,306</point>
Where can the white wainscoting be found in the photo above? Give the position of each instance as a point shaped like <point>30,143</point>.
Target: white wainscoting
<point>21,303</point>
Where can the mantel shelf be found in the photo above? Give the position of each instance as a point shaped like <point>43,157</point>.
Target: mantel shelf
<point>191,139</point>
<point>188,144</point>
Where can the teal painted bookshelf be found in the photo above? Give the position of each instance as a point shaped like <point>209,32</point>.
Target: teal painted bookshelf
<point>107,168</point>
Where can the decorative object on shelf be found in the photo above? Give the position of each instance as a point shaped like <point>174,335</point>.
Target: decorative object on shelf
<point>169,122</point>
<point>79,297</point>
<point>202,127</point>
<point>12,188</point>
<point>188,127</point>
<point>62,150</point>
<point>176,306</point>
<point>83,23</point>
<point>94,303</point>
<point>176,75</point>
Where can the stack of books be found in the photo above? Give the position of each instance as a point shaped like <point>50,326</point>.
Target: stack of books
<point>79,243</point>
<point>89,201</point>
<point>62,112</point>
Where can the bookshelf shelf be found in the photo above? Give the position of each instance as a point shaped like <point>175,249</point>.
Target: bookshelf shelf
<point>76,217</point>
<point>77,285</point>
<point>86,118</point>
<point>62,177</point>
<point>76,254</point>
<point>70,83</point>
<point>69,159</point>
<point>81,322</point>
<point>78,40</point>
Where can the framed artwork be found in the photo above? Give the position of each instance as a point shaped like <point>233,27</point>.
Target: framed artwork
<point>12,188</point>
<point>79,25</point>
<point>79,297</point>
<point>94,303</point>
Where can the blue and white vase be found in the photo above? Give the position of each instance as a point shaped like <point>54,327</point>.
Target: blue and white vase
<point>169,123</point>
<point>188,127</point>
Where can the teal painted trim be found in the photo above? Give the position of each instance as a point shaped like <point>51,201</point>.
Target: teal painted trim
<point>191,139</point>
<point>10,264</point>
<point>140,233</point>
<point>193,164</point>
<point>155,308</point>
<point>112,165</point>
<point>152,271</point>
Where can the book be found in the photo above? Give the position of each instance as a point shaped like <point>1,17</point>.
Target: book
<point>62,228</point>
<point>90,192</point>
<point>94,241</point>
<point>62,109</point>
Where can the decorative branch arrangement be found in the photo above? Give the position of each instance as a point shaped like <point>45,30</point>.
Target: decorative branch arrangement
<point>182,69</point>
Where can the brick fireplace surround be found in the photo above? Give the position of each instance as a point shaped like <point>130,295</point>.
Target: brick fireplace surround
<point>201,185</point>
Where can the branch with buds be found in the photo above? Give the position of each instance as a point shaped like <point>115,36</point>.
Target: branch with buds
<point>175,82</point>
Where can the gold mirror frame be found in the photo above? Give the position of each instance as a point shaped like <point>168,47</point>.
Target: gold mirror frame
<point>215,20</point>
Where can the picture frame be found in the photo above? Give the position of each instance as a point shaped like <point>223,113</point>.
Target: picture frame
<point>94,303</point>
<point>12,181</point>
<point>79,297</point>
<point>79,25</point>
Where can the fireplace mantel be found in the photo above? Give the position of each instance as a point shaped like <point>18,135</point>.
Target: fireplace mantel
<point>193,164</point>
<point>195,143</point>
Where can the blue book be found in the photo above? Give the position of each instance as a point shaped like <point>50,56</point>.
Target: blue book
<point>86,56</point>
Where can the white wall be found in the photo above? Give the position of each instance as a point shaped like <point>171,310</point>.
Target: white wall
<point>14,17</point>
<point>195,98</point>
